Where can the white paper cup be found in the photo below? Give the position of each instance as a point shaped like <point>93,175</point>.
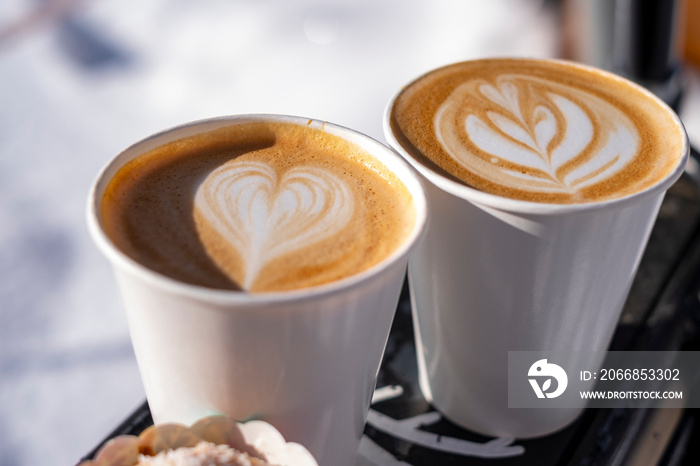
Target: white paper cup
<point>494,274</point>
<point>305,361</point>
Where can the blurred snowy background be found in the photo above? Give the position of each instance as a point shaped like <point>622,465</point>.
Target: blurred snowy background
<point>82,80</point>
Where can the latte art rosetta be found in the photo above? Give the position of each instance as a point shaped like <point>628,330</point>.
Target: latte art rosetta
<point>264,215</point>
<point>545,131</point>
<point>535,135</point>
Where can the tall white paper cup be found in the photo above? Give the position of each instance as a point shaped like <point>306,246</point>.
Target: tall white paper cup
<point>494,274</point>
<point>305,361</point>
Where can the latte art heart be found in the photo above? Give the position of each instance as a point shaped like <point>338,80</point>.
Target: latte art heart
<point>258,206</point>
<point>264,215</point>
<point>569,140</point>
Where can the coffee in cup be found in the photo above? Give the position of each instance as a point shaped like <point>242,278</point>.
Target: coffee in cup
<point>260,206</point>
<point>542,131</point>
<point>312,220</point>
<point>543,180</point>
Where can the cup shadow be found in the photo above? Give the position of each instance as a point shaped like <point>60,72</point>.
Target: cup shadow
<point>154,217</point>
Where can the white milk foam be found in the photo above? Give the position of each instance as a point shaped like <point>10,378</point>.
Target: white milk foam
<point>527,140</point>
<point>265,216</point>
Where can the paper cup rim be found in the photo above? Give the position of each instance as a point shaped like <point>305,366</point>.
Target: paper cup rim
<point>121,260</point>
<point>529,207</point>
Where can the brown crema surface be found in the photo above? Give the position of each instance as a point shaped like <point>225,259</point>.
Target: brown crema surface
<point>148,209</point>
<point>534,107</point>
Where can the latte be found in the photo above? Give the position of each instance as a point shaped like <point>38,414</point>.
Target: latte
<point>543,131</point>
<point>257,206</point>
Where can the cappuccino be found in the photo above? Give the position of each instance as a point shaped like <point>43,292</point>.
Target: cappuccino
<point>257,206</point>
<point>495,273</point>
<point>535,130</point>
